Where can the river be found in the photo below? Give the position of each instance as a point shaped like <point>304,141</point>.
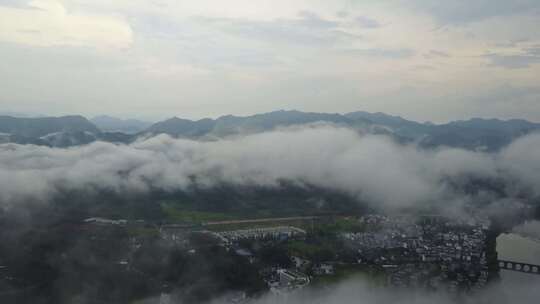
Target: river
<point>514,247</point>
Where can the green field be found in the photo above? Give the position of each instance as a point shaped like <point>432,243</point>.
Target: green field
<point>142,231</point>
<point>302,224</point>
<point>341,224</point>
<point>350,272</point>
<point>179,213</point>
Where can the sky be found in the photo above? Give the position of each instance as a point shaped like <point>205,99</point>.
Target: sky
<point>427,60</point>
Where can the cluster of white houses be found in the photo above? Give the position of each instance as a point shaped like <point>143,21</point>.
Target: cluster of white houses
<point>274,233</point>
<point>409,250</point>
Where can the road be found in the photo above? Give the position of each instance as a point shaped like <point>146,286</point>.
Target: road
<point>262,220</point>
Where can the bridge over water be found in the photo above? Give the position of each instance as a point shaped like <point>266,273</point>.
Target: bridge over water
<point>518,266</point>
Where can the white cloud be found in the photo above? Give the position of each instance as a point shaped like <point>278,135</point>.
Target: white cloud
<point>372,168</point>
<point>47,23</point>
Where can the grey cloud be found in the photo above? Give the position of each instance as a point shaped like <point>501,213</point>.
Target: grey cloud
<point>436,54</point>
<point>342,14</point>
<point>194,40</point>
<point>180,41</point>
<point>425,67</point>
<point>504,100</point>
<point>527,57</point>
<point>161,26</point>
<point>231,56</point>
<point>308,29</point>
<point>512,43</point>
<point>310,19</point>
<point>534,51</point>
<point>512,61</point>
<point>367,22</point>
<point>14,3</point>
<point>399,53</point>
<point>509,93</point>
<point>461,12</point>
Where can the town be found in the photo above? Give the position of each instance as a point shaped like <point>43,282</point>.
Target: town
<point>429,252</point>
<point>247,258</point>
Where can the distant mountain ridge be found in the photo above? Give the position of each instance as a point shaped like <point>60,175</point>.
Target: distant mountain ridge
<point>41,126</point>
<point>474,134</point>
<point>231,125</point>
<point>65,131</point>
<point>182,127</point>
<point>112,124</point>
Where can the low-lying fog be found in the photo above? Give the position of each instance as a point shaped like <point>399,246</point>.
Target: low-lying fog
<point>373,168</point>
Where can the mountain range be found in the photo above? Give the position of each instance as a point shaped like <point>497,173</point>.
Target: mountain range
<point>474,134</point>
<point>112,124</point>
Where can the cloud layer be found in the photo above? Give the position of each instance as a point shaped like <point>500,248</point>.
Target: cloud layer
<point>47,23</point>
<point>373,168</point>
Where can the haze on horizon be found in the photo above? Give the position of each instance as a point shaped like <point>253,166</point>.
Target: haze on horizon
<point>421,59</point>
